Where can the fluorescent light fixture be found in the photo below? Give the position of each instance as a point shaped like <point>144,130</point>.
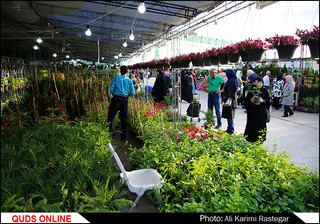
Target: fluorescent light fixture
<point>39,40</point>
<point>88,31</point>
<point>35,47</point>
<point>142,7</point>
<point>125,44</point>
<point>131,37</point>
<point>67,56</point>
<point>102,58</point>
<point>54,55</point>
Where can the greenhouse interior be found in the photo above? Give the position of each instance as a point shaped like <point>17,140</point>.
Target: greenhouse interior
<point>160,107</point>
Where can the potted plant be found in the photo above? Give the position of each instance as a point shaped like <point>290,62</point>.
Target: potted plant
<point>255,49</point>
<point>233,53</point>
<point>206,58</point>
<point>194,108</point>
<point>209,119</point>
<point>222,55</point>
<point>311,39</point>
<point>255,90</point>
<point>285,45</point>
<point>213,56</point>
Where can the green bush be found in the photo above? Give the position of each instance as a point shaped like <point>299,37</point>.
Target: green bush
<point>67,169</point>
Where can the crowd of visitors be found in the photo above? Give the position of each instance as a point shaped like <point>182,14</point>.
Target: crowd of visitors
<point>226,90</point>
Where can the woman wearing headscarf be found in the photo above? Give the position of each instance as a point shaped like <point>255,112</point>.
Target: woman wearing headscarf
<point>257,114</point>
<point>287,95</point>
<point>160,88</point>
<point>230,89</point>
<point>186,86</point>
<point>277,91</point>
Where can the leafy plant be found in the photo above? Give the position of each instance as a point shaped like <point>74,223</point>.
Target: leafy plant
<point>209,118</point>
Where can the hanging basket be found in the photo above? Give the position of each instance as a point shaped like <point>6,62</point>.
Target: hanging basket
<point>214,60</point>
<point>199,62</point>
<point>244,55</point>
<point>286,51</point>
<point>234,58</point>
<point>184,64</point>
<point>223,59</point>
<point>255,54</point>
<point>314,47</point>
<point>165,66</point>
<point>207,61</point>
<point>193,110</point>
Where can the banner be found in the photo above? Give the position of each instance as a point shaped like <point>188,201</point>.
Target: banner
<point>39,217</point>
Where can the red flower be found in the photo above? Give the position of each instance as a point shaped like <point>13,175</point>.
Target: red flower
<point>6,124</point>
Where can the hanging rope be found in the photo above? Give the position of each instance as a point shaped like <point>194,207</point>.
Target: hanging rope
<point>285,19</point>
<point>314,17</point>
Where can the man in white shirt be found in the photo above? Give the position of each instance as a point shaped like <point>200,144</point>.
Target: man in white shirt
<point>266,80</point>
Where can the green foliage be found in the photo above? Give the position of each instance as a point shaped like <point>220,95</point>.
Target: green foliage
<point>209,118</point>
<point>67,169</point>
<point>208,171</point>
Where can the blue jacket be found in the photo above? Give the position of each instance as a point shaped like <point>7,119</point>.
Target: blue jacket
<point>122,85</point>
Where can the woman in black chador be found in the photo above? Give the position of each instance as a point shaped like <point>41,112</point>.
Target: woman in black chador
<point>257,114</point>
<point>160,87</point>
<point>186,86</point>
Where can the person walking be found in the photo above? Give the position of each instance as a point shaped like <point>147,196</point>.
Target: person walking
<point>257,114</point>
<point>266,80</point>
<point>239,88</point>
<point>277,91</point>
<point>121,87</point>
<point>229,102</point>
<point>160,87</point>
<point>186,86</point>
<point>287,95</point>
<point>214,99</point>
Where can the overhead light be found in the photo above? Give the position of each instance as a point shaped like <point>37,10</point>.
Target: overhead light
<point>120,55</point>
<point>35,47</point>
<point>116,57</point>
<point>131,37</point>
<point>141,8</point>
<point>88,31</point>
<point>54,55</point>
<point>125,44</point>
<point>39,40</point>
<point>102,58</point>
<point>67,56</point>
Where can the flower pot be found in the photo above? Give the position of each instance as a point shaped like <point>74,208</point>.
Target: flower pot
<point>200,62</point>
<point>255,54</point>
<point>234,58</point>
<point>223,59</point>
<point>165,66</point>
<point>184,64</point>
<point>193,110</point>
<point>256,100</point>
<point>286,51</point>
<point>214,60</point>
<point>244,55</point>
<point>314,48</point>
<point>207,61</point>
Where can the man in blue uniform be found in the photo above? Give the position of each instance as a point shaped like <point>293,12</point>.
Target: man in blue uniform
<point>121,87</point>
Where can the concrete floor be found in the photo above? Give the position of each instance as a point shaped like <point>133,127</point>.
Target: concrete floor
<point>297,134</point>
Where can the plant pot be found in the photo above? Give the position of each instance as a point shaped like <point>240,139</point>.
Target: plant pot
<point>184,64</point>
<point>244,55</point>
<point>200,62</point>
<point>193,110</point>
<point>286,51</point>
<point>314,48</point>
<point>166,66</point>
<point>223,59</point>
<point>207,61</point>
<point>234,58</point>
<point>214,60</point>
<point>256,100</point>
<point>255,54</point>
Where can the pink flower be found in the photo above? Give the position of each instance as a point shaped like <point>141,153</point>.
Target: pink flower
<point>256,81</point>
<point>166,139</point>
<point>179,143</point>
<point>176,136</point>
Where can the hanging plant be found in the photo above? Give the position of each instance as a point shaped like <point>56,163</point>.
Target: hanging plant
<point>282,40</point>
<point>305,35</point>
